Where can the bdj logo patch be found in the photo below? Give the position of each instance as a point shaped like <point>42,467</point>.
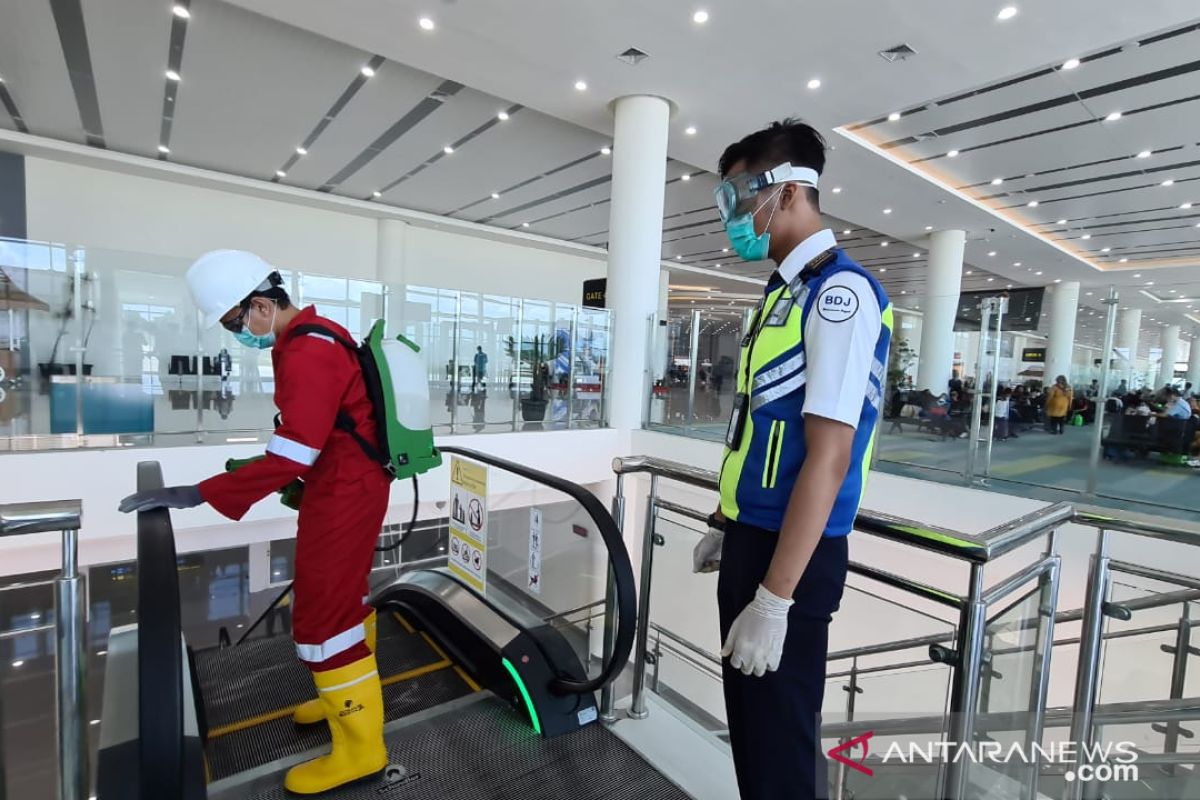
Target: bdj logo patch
<point>837,304</point>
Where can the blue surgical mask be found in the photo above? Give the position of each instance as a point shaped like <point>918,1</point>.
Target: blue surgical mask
<point>749,245</point>
<point>257,341</point>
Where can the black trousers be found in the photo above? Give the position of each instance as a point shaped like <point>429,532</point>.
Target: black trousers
<point>774,722</point>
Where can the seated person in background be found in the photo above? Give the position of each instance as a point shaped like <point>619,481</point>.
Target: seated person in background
<point>1176,406</point>
<point>1001,416</point>
<point>1136,405</point>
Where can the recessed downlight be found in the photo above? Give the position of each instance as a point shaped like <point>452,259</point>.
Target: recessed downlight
<point>1070,63</point>
<point>1124,261</point>
<point>1016,263</point>
<point>724,249</point>
<point>1006,13</point>
<point>997,181</point>
<point>700,17</point>
<point>367,71</point>
<point>502,116</point>
<point>685,177</point>
<point>426,24</point>
<point>376,194</point>
<point>916,255</point>
<point>952,154</point>
<point>1086,236</point>
<point>887,211</point>
<point>280,173</point>
<point>884,243</point>
<point>172,75</point>
<point>1185,206</point>
<point>1113,116</point>
<point>181,12</point>
<point>814,83</point>
<point>989,280</point>
<point>495,195</point>
<point>1056,280</point>
<point>1168,182</point>
<point>1137,274</point>
<point>581,86</point>
<point>837,190</point>
<point>162,148</point>
<point>1105,249</point>
<point>969,272</point>
<point>928,227</point>
<point>883,269</point>
<point>992,253</point>
<point>448,150</point>
<point>524,224</point>
<point>690,130</point>
<point>1032,204</point>
<point>605,151</point>
<point>1145,154</point>
<point>894,116</point>
<point>300,151</point>
<point>846,232</point>
<point>1061,222</point>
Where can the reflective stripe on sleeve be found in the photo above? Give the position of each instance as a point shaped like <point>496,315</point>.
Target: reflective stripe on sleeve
<point>777,391</point>
<point>787,368</point>
<point>292,451</point>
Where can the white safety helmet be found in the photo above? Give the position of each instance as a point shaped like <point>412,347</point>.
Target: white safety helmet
<point>221,279</point>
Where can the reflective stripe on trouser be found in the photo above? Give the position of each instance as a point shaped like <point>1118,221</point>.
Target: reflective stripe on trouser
<point>338,527</point>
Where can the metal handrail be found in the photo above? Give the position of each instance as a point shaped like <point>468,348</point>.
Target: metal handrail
<point>1179,532</point>
<point>682,642</point>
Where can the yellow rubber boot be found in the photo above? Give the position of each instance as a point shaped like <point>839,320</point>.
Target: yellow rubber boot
<point>313,711</point>
<point>353,702</point>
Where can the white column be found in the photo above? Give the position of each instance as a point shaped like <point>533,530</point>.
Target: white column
<point>390,237</point>
<point>1193,371</point>
<point>659,367</point>
<point>1064,302</point>
<point>635,246</point>
<point>939,306</point>
<point>1129,327</point>
<point>1170,354</point>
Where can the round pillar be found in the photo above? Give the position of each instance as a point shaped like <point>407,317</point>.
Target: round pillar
<point>635,247</point>
<point>940,305</point>
<point>1064,302</point>
<point>1129,327</point>
<point>1170,354</point>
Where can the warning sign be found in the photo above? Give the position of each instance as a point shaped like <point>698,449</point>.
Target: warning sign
<point>534,583</point>
<point>468,522</point>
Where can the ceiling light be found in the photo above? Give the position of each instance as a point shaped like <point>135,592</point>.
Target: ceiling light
<point>690,130</point>
<point>815,83</point>
<point>1186,206</point>
<point>700,17</point>
<point>1032,204</point>
<point>685,177</point>
<point>1070,63</point>
<point>679,258</point>
<point>1124,260</point>
<point>181,12</point>
<point>1016,263</point>
<point>426,23</point>
<point>928,227</point>
<point>903,291</point>
<point>883,269</point>
<point>1061,222</point>
<point>172,75</point>
<point>162,148</point>
<point>1008,286</point>
<point>1105,249</point>
<point>1144,154</point>
<point>887,211</point>
<point>524,224</point>
<point>894,116</point>
<point>837,190</point>
<point>300,151</point>
<point>991,252</point>
<point>367,71</point>
<point>448,150</point>
<point>1039,272</point>
<point>1168,182</point>
<point>883,243</point>
<point>1056,280</point>
<point>968,272</point>
<point>916,255</point>
<point>502,116</point>
<point>991,279</point>
<point>846,232</point>
<point>997,181</point>
<point>1113,117</point>
<point>952,154</point>
<point>605,151</point>
<point>1086,236</point>
<point>376,194</point>
<point>1137,274</point>
<point>17,663</point>
<point>718,266</point>
<point>495,195</point>
<point>280,173</point>
<point>581,86</point>
<point>1008,12</point>
<point>1150,283</point>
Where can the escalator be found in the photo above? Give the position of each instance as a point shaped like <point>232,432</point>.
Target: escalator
<point>482,697</point>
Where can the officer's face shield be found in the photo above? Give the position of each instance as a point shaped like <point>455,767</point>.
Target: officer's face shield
<point>736,195</point>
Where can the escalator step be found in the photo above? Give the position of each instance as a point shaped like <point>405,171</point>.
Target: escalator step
<point>488,752</point>
<point>261,744</point>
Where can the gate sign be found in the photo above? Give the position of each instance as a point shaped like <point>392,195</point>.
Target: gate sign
<point>468,522</point>
<point>1034,355</point>
<point>534,584</point>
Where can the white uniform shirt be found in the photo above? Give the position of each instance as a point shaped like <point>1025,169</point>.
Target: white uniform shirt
<point>840,334</point>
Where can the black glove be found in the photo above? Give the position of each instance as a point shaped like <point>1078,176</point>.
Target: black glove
<point>170,497</point>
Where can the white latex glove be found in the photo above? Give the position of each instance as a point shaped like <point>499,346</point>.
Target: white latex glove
<point>706,555</point>
<point>755,641</point>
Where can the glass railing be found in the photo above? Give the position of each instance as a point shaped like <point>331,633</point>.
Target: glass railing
<point>103,348</point>
<point>1124,454</point>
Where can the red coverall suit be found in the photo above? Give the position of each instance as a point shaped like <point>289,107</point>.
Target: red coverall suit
<point>345,492</point>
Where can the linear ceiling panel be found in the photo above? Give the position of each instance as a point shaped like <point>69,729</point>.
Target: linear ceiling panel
<point>251,90</point>
<point>33,69</point>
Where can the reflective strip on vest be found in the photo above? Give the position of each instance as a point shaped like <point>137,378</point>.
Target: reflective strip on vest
<point>292,450</point>
<point>316,653</point>
<point>793,364</point>
<point>778,390</point>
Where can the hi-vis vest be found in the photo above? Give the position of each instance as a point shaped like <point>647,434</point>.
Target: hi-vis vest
<point>757,478</point>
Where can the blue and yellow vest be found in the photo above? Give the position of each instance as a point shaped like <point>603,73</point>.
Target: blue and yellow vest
<point>757,478</point>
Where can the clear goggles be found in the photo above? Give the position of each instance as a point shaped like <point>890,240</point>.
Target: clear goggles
<point>735,194</point>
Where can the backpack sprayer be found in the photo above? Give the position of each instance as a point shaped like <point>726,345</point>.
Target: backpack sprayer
<point>398,388</point>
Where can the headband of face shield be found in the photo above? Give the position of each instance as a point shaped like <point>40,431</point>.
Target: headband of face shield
<point>734,194</point>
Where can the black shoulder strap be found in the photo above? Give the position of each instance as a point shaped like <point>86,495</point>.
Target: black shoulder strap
<point>343,420</point>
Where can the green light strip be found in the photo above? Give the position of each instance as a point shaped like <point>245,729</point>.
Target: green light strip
<point>533,717</point>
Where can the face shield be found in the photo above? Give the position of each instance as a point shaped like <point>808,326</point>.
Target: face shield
<point>735,196</point>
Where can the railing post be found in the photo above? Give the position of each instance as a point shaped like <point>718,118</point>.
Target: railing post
<point>852,689</point>
<point>965,691</point>
<point>607,694</point>
<point>1180,652</point>
<point>637,709</point>
<point>1087,674</point>
<point>70,617</point>
<point>1040,684</point>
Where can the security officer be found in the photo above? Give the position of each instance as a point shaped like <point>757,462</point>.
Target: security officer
<point>799,441</point>
<point>323,401</point>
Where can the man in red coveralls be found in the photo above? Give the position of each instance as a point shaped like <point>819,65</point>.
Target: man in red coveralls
<point>317,380</point>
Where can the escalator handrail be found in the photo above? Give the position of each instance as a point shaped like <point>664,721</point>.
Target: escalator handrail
<point>160,655</point>
<point>622,567</point>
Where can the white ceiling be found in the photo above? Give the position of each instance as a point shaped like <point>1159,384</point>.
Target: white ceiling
<point>254,89</point>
